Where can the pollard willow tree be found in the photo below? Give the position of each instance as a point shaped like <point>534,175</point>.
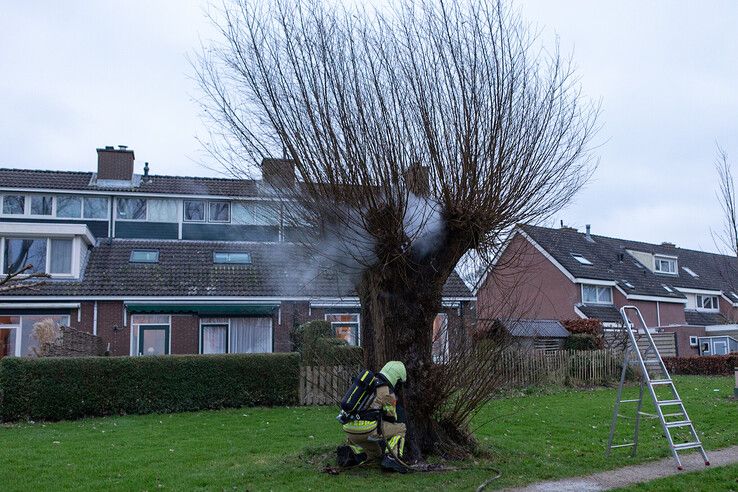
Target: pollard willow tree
<point>418,133</point>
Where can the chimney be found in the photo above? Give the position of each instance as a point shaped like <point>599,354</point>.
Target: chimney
<point>115,164</point>
<point>587,235</point>
<point>417,178</point>
<point>279,173</point>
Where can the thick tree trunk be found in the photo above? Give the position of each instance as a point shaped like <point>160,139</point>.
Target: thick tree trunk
<point>398,325</point>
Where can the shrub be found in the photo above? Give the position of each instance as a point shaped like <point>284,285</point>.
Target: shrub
<point>582,341</point>
<point>75,387</point>
<point>706,365</point>
<point>318,346</point>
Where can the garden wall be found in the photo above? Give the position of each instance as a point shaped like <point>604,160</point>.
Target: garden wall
<point>76,387</point>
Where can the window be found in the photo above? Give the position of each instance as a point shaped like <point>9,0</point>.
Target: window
<point>440,338</point>
<point>219,212</point>
<point>52,256</point>
<point>693,341</point>
<point>41,205</point>
<point>162,210</point>
<point>707,302</point>
<point>250,335</point>
<point>235,258</point>
<point>689,271</point>
<point>346,327</point>
<point>628,284</point>
<point>194,211</point>
<point>69,207</point>
<point>95,208</point>
<point>150,334</point>
<point>252,213</point>
<point>22,252</point>
<point>665,265</point>
<point>667,288</point>
<point>60,258</point>
<point>214,338</point>
<point>581,259</point>
<point>17,337</point>
<point>14,204</point>
<point>131,208</point>
<point>596,294</point>
<point>144,256</point>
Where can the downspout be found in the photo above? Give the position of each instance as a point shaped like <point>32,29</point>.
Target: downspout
<point>94,319</point>
<point>658,313</point>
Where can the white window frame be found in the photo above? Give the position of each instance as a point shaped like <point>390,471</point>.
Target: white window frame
<point>205,212</point>
<point>76,252</point>
<point>134,350</point>
<point>694,341</point>
<point>670,259</point>
<point>115,212</point>
<point>212,202</point>
<point>54,199</point>
<point>700,301</point>
<point>598,289</point>
<point>358,324</point>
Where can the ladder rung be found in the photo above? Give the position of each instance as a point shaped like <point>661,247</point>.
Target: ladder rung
<point>687,445</point>
<point>629,401</point>
<point>681,423</point>
<point>651,361</point>
<point>678,414</point>
<point>652,415</point>
<point>669,402</point>
<point>623,445</point>
<point>661,381</point>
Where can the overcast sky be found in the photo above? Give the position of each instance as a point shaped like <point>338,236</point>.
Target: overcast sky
<point>76,75</point>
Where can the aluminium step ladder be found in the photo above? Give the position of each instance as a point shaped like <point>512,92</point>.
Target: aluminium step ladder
<point>671,411</point>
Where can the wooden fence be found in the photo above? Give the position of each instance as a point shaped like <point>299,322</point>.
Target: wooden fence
<point>326,385</point>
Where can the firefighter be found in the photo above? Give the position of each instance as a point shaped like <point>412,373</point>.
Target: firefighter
<point>381,438</point>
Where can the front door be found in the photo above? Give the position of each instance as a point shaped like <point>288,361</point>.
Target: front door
<point>153,340</point>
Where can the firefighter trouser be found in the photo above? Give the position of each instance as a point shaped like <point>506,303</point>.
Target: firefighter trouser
<point>364,434</point>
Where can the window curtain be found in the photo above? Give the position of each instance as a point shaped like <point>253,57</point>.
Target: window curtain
<point>162,211</point>
<point>61,256</point>
<point>255,214</point>
<point>251,335</point>
<point>214,339</point>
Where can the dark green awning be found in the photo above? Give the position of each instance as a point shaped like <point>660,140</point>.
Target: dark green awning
<point>205,309</point>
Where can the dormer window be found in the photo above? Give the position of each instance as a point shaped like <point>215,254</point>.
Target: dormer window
<point>581,259</point>
<point>665,264</point>
<point>596,294</point>
<point>708,303</point>
<point>46,255</point>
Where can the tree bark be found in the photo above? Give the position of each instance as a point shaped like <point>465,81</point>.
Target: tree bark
<point>398,325</point>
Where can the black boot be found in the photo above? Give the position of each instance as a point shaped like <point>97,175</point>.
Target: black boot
<point>390,463</point>
<point>347,456</point>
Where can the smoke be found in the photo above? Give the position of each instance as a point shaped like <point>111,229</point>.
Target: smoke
<point>423,224</point>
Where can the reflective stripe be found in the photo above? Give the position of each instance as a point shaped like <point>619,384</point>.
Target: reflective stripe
<point>360,427</point>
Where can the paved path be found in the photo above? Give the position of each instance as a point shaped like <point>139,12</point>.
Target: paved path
<point>634,474</point>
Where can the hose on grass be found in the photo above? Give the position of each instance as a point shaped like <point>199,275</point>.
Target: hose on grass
<point>484,484</point>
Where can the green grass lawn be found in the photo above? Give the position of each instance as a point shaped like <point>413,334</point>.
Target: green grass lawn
<point>538,436</point>
<point>723,478</point>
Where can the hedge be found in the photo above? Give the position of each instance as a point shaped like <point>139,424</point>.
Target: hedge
<point>706,365</point>
<point>582,341</point>
<point>76,387</point>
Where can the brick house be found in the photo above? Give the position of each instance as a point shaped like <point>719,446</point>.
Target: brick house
<point>170,265</point>
<point>546,273</point>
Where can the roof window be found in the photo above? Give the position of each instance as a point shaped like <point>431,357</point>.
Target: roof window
<point>144,256</point>
<point>232,258</point>
<point>628,284</point>
<point>689,271</point>
<point>667,288</point>
<point>581,259</point>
